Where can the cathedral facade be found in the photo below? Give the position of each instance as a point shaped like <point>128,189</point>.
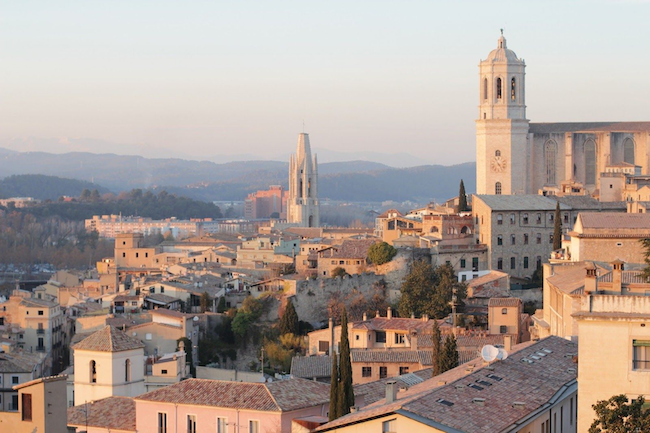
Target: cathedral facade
<point>514,156</point>
<point>302,204</point>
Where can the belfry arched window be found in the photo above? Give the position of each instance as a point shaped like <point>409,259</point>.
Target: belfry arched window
<point>499,88</point>
<point>590,163</point>
<point>497,188</point>
<point>485,88</point>
<point>513,86</point>
<point>550,156</point>
<point>628,151</point>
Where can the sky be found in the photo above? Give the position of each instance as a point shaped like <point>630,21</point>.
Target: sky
<point>204,79</point>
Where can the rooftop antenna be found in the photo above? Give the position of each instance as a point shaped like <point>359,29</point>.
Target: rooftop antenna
<point>489,353</point>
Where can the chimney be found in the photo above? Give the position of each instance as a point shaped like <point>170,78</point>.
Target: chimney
<point>617,276</point>
<point>377,314</point>
<point>425,317</point>
<point>365,316</point>
<point>590,279</point>
<point>412,315</point>
<point>389,313</point>
<point>414,340</point>
<point>331,327</point>
<point>507,342</point>
<point>391,391</point>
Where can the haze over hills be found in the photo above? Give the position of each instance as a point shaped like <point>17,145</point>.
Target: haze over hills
<point>204,180</point>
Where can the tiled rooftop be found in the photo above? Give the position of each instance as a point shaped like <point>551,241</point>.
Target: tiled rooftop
<point>393,355</point>
<point>309,367</point>
<point>504,302</point>
<point>533,383</point>
<point>394,323</point>
<point>284,395</point>
<point>523,202</point>
<point>350,249</point>
<point>108,339</point>
<point>615,220</point>
<point>111,413</point>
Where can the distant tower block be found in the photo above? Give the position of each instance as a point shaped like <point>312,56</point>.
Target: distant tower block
<point>302,206</point>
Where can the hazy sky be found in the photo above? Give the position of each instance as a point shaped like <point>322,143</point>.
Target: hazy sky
<point>232,77</point>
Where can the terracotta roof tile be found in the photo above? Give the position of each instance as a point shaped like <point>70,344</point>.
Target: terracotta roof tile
<point>284,395</point>
<point>111,413</point>
<point>504,302</point>
<point>108,339</point>
<point>309,367</point>
<point>615,220</point>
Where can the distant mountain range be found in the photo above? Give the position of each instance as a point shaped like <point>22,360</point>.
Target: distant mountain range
<point>204,180</point>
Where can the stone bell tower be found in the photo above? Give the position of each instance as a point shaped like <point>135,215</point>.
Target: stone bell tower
<point>302,205</point>
<point>502,147</point>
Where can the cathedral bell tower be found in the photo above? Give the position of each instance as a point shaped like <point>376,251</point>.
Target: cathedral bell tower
<point>502,128</point>
<point>302,205</point>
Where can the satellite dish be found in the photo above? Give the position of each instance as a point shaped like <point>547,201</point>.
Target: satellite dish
<point>489,353</point>
<point>502,354</point>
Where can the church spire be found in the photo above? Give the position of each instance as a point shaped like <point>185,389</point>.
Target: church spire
<point>502,41</point>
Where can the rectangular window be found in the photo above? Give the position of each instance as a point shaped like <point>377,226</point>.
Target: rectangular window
<point>499,263</point>
<point>222,425</point>
<point>163,372</point>
<point>525,238</point>
<point>323,346</point>
<point>526,262</point>
<point>513,239</point>
<point>14,380</point>
<point>137,255</point>
<point>253,426</point>
<point>503,329</point>
<point>403,370</point>
<point>191,424</point>
<point>462,263</point>
<point>40,312</point>
<point>366,371</point>
<point>383,372</point>
<point>162,422</point>
<point>641,354</point>
<point>14,402</point>
<point>400,338</point>
<point>512,262</point>
<point>389,426</point>
<point>380,337</point>
<point>475,263</point>
<point>27,407</point>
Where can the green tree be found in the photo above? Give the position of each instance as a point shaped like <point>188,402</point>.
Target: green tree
<point>437,349</point>
<point>645,244</point>
<point>338,272</point>
<point>381,253</point>
<point>462,197</point>
<point>289,323</point>
<point>429,290</point>
<point>334,389</point>
<point>617,416</point>
<point>346,392</point>
<point>221,306</point>
<point>449,358</point>
<point>206,302</point>
<point>557,230</point>
<point>187,347</point>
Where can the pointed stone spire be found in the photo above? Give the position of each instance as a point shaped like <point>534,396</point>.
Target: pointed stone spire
<point>302,205</point>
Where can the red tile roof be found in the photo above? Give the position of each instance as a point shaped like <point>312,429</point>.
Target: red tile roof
<point>504,302</point>
<point>280,396</point>
<point>111,413</point>
<point>108,339</point>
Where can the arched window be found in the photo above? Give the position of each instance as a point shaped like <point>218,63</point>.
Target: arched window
<point>590,163</point>
<point>550,156</point>
<point>497,188</point>
<point>628,151</point>
<point>434,229</point>
<point>465,230</point>
<point>93,371</point>
<point>513,86</point>
<point>498,88</point>
<point>497,153</point>
<point>127,370</point>
<point>485,88</point>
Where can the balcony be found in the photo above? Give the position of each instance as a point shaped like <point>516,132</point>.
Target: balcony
<point>40,348</point>
<point>40,331</point>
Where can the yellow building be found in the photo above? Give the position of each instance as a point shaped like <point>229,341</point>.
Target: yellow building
<point>614,350</point>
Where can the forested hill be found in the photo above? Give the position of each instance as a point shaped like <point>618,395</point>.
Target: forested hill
<point>44,187</point>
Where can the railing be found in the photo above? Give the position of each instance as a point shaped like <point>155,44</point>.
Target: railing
<point>40,331</point>
<point>640,365</point>
<point>40,348</point>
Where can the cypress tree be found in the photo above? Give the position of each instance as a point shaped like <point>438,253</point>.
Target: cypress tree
<point>449,354</point>
<point>462,197</point>
<point>289,322</point>
<point>437,349</point>
<point>334,390</point>
<point>346,392</point>
<point>557,232</point>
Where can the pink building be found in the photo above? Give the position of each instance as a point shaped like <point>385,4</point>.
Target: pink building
<point>200,405</point>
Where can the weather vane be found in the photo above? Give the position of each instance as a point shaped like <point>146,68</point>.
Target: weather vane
<point>501,32</point>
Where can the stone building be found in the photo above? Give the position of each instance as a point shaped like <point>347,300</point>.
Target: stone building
<point>302,205</point>
<point>514,156</point>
